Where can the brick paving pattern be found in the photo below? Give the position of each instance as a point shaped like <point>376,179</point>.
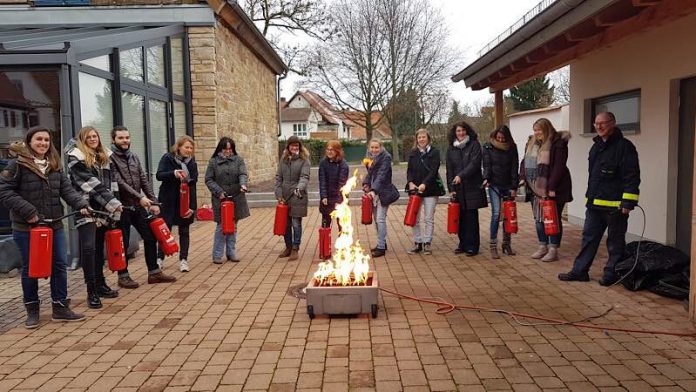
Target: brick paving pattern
<point>233,326</point>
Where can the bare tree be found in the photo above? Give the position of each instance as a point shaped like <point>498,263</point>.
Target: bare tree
<point>300,18</point>
<point>416,58</point>
<point>382,51</point>
<point>561,81</point>
<point>346,67</point>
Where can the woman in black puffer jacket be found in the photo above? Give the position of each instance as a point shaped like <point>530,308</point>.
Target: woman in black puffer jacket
<point>465,182</point>
<point>500,165</point>
<point>31,187</point>
<point>333,174</point>
<point>422,177</point>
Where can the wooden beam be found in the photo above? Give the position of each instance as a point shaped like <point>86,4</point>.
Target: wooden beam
<point>664,12</point>
<point>499,108</point>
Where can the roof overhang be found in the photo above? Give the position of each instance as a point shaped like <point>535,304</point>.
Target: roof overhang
<point>563,32</point>
<point>243,27</point>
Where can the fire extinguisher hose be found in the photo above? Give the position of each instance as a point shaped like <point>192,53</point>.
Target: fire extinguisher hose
<point>46,220</point>
<point>448,307</point>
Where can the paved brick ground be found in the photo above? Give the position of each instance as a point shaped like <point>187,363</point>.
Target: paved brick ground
<point>233,327</point>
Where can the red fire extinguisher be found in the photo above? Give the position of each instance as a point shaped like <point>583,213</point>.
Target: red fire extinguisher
<point>414,202</point>
<point>41,247</point>
<point>453,216</point>
<point>366,208</point>
<point>281,219</point>
<point>227,216</point>
<point>184,199</point>
<point>164,237</point>
<point>550,216</point>
<point>113,239</point>
<point>510,216</point>
<point>325,243</point>
<point>40,251</point>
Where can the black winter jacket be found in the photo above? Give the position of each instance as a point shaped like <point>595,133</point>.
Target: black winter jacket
<point>27,192</point>
<point>332,176</point>
<point>170,189</point>
<point>379,178</point>
<point>614,173</point>
<point>423,169</point>
<point>466,163</point>
<point>131,177</point>
<point>500,167</point>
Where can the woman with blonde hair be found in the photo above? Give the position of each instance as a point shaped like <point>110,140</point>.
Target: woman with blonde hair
<point>291,188</point>
<point>422,177</point>
<point>177,167</point>
<point>333,174</point>
<point>89,168</point>
<point>545,174</point>
<point>378,185</point>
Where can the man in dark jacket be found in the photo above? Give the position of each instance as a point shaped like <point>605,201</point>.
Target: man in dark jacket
<point>612,192</point>
<point>135,191</point>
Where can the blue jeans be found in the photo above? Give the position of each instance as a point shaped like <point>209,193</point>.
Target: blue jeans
<point>380,216</point>
<point>293,232</point>
<point>554,240</point>
<point>496,202</point>
<point>221,241</point>
<point>427,215</point>
<point>59,268</point>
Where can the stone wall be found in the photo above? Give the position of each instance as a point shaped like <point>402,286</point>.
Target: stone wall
<point>234,94</point>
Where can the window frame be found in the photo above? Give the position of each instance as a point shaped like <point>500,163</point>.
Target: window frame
<point>591,111</point>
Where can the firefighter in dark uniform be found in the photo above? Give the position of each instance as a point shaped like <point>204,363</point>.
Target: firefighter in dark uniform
<point>612,192</point>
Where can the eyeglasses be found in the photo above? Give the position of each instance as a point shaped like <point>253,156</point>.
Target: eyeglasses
<point>602,123</point>
<point>330,149</point>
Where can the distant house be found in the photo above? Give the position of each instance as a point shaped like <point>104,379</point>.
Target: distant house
<point>309,116</point>
<point>356,123</point>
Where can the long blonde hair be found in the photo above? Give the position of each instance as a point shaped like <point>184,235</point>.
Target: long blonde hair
<point>93,157</point>
<point>548,134</point>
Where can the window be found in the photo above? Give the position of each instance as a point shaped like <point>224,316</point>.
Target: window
<point>101,62</point>
<point>133,107</point>
<point>158,137</point>
<point>177,66</point>
<point>132,64</point>
<point>625,106</point>
<point>299,130</point>
<point>155,65</point>
<point>96,106</point>
<point>179,119</point>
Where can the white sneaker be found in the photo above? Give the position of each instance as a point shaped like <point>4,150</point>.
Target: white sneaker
<point>183,266</point>
<point>160,263</point>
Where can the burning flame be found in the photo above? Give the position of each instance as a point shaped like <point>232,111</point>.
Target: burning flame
<point>350,264</point>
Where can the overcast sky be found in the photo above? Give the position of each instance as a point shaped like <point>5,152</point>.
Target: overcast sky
<point>472,24</point>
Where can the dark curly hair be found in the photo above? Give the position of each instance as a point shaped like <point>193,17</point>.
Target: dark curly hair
<point>452,134</point>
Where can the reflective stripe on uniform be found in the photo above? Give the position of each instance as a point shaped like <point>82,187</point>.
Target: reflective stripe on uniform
<point>630,196</point>
<point>606,203</point>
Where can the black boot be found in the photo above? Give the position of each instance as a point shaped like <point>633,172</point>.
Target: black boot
<point>32,315</point>
<point>93,301</point>
<point>507,248</point>
<point>62,312</point>
<point>105,291</point>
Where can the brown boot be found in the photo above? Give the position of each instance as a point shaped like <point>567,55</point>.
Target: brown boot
<point>160,277</point>
<point>286,252</point>
<point>494,250</point>
<point>293,255</point>
<point>127,283</point>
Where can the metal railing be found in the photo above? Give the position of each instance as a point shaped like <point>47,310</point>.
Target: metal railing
<point>543,4</point>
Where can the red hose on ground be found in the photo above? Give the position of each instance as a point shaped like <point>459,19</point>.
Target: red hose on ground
<point>447,307</point>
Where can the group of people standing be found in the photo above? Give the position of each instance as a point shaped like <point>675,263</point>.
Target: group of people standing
<point>111,189</point>
<point>114,183</point>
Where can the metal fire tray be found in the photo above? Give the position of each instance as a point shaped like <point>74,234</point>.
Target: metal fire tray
<point>335,300</point>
